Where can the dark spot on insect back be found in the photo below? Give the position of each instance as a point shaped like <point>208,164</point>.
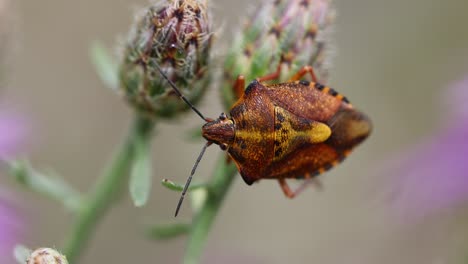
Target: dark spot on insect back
<point>280,117</point>
<point>341,158</point>
<point>319,86</point>
<point>243,145</point>
<point>243,123</point>
<point>303,82</point>
<point>332,92</point>
<point>328,166</point>
<point>278,152</point>
<point>345,100</point>
<point>277,143</point>
<point>315,173</point>
<point>278,126</point>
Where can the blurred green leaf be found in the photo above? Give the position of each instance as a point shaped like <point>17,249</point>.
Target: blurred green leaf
<point>104,64</point>
<point>140,177</point>
<point>51,186</point>
<point>21,253</point>
<point>168,231</point>
<point>178,187</point>
<point>198,198</point>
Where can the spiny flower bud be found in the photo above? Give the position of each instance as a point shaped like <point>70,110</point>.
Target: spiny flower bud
<point>46,256</point>
<point>176,35</point>
<point>287,34</point>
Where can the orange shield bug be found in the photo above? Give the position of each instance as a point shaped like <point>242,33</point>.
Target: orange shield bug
<point>296,129</point>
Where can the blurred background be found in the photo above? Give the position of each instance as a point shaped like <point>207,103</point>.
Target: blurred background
<point>395,60</point>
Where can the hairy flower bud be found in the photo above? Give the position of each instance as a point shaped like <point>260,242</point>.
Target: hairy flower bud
<point>279,33</point>
<point>46,256</point>
<point>176,35</point>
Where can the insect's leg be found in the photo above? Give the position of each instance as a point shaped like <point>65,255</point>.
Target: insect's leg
<point>239,86</point>
<point>271,76</point>
<point>291,194</point>
<point>311,180</point>
<point>229,160</point>
<point>285,187</point>
<point>303,71</point>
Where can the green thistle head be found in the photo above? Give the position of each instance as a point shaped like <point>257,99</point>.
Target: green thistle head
<point>176,35</point>
<point>279,33</point>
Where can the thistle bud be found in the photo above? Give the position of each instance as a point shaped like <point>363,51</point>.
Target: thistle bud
<point>279,33</point>
<point>176,35</point>
<point>46,256</point>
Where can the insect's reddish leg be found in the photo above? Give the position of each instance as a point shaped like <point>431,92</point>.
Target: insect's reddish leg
<point>285,187</point>
<point>271,76</point>
<point>291,194</point>
<point>239,86</point>
<point>229,160</point>
<point>303,71</point>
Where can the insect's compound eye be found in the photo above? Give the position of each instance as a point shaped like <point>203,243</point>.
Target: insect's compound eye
<point>222,116</point>
<point>223,146</point>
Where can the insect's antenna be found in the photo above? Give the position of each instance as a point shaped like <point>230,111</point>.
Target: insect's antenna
<point>187,184</point>
<point>172,84</point>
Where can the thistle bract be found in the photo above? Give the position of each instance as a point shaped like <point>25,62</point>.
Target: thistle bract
<point>46,256</point>
<point>286,34</point>
<point>176,35</point>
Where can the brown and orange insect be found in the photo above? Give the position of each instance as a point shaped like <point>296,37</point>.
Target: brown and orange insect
<point>296,129</point>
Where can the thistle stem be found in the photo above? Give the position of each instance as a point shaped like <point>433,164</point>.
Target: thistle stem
<point>107,190</point>
<point>216,191</point>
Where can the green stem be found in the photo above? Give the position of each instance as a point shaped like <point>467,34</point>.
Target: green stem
<point>106,190</point>
<point>217,190</point>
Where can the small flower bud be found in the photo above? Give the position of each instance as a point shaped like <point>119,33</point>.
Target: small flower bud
<point>279,33</point>
<point>46,256</point>
<point>176,35</point>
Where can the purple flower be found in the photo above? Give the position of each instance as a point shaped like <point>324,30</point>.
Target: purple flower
<point>433,177</point>
<point>11,229</point>
<point>12,135</point>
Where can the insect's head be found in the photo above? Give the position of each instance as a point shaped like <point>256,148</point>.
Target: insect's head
<point>219,131</point>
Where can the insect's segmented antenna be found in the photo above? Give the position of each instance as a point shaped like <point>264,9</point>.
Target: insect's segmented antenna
<point>187,184</point>
<point>180,94</point>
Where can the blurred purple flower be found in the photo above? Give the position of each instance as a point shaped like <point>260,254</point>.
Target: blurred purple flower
<point>11,229</point>
<point>433,177</point>
<point>12,136</point>
<point>12,133</point>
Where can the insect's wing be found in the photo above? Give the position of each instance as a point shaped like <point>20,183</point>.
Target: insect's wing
<point>304,100</point>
